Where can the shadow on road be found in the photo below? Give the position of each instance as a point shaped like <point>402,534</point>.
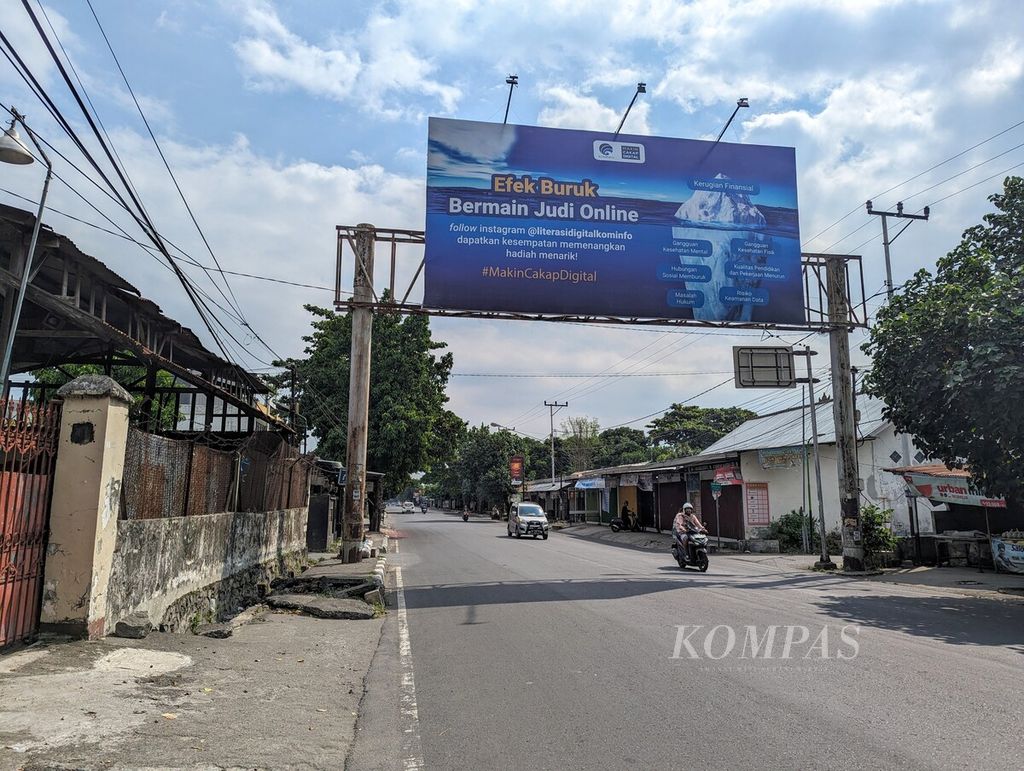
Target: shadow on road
<point>510,592</point>
<point>955,620</point>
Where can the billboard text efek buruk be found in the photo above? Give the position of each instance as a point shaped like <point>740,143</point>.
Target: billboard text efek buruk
<point>537,220</point>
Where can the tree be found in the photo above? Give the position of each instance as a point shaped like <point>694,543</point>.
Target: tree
<point>621,446</point>
<point>579,440</point>
<point>948,352</point>
<point>483,469</point>
<point>688,430</point>
<point>407,393</point>
<point>127,375</point>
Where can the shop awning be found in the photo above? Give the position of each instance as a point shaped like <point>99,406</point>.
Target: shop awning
<point>545,487</point>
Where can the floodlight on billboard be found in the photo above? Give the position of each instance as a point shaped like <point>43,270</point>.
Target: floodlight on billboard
<point>536,220</point>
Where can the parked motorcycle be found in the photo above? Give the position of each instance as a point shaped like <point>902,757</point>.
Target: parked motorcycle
<point>696,552</point>
<point>618,524</point>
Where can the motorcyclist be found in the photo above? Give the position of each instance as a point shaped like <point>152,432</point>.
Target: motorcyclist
<point>685,521</point>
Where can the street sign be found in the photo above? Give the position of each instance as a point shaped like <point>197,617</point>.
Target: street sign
<point>763,366</point>
<point>716,490</point>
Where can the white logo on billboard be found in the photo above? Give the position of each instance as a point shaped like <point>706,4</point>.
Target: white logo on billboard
<point>620,152</point>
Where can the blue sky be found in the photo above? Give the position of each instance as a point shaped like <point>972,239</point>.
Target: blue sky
<point>284,119</point>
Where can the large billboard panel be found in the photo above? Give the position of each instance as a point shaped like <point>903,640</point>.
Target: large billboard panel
<point>553,221</point>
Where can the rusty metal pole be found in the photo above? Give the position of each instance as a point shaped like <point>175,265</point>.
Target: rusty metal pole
<point>843,413</point>
<point>358,395</point>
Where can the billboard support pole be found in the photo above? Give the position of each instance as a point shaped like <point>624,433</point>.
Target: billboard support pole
<point>513,81</point>
<point>358,394</point>
<point>843,414</point>
<point>641,88</point>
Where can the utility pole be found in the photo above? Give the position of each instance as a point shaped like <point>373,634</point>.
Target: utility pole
<point>843,413</point>
<point>553,407</point>
<point>825,563</point>
<point>358,395</point>
<point>886,242</point>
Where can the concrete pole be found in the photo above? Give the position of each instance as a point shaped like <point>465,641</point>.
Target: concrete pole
<point>843,413</point>
<point>826,561</point>
<point>358,396</point>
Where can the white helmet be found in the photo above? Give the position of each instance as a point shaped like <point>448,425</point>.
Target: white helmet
<point>687,506</point>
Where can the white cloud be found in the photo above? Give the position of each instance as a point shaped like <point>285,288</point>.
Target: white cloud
<point>567,108</point>
<point>996,73</point>
<point>275,58</point>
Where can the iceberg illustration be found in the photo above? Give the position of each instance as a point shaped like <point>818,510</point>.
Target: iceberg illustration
<point>720,217</point>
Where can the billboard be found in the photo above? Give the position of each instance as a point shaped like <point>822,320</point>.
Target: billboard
<point>553,221</point>
<point>515,469</point>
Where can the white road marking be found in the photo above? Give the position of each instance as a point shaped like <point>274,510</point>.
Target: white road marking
<point>412,753</point>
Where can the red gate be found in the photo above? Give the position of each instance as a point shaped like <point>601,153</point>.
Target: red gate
<point>28,448</point>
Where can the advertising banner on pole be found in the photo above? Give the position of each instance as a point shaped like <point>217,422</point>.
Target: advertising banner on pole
<point>552,221</point>
<point>516,465</point>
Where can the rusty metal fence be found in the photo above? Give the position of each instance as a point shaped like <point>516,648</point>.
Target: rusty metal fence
<point>174,477</point>
<point>28,450</point>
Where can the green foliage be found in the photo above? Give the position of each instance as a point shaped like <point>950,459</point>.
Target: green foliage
<point>688,430</point>
<point>948,357</point>
<point>788,530</point>
<point>833,540</point>
<point>408,424</point>
<point>125,375</point>
<point>621,446</point>
<point>876,531</point>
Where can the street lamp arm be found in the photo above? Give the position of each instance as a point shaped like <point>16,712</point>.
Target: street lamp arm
<point>26,271</point>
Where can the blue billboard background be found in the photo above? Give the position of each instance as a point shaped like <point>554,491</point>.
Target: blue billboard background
<point>537,220</point>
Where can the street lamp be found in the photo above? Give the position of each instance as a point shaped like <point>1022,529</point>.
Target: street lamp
<point>14,151</point>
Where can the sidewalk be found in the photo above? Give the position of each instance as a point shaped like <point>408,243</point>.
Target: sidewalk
<point>967,581</point>
<point>282,692</point>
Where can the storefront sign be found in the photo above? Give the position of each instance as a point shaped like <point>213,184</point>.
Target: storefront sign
<point>1008,554</point>
<point>728,475</point>
<point>950,490</point>
<point>542,220</point>
<point>780,457</point>
<point>590,484</point>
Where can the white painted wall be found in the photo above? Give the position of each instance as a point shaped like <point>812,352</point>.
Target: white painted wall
<point>883,489</point>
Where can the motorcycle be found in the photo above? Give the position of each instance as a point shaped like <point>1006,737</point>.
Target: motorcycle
<point>423,508</point>
<point>695,553</point>
<point>465,516</point>
<point>618,524</point>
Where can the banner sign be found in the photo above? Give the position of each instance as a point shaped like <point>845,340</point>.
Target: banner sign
<point>646,483</point>
<point>515,468</point>
<point>538,220</point>
<point>629,480</point>
<point>780,457</point>
<point>590,484</point>
<point>728,475</point>
<point>1008,554</point>
<point>950,490</point>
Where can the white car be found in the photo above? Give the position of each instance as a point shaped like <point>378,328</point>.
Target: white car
<point>407,506</point>
<point>527,519</point>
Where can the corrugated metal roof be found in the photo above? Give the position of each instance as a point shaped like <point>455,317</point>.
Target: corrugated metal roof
<point>784,429</point>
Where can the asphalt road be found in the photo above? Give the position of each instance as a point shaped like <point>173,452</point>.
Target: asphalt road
<point>567,654</point>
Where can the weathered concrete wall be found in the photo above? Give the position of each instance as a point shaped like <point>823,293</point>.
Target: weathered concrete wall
<point>183,570</point>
